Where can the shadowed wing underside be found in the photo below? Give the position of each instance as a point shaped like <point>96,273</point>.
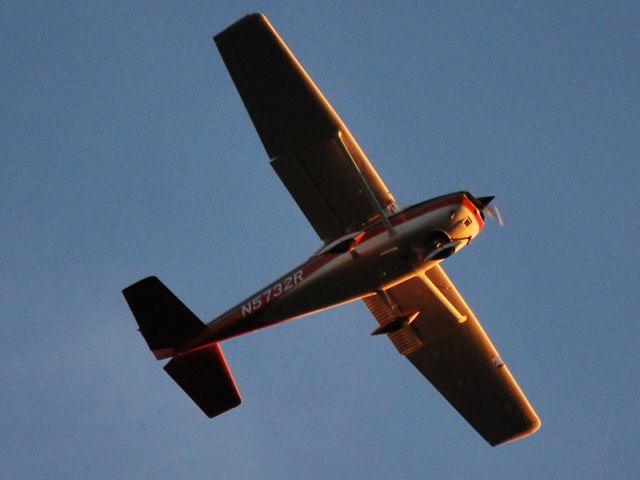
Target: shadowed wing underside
<point>447,344</point>
<point>310,148</point>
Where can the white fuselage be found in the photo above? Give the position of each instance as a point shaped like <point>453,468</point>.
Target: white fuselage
<point>378,259</point>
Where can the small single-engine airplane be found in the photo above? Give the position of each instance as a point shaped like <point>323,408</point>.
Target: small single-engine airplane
<point>372,251</point>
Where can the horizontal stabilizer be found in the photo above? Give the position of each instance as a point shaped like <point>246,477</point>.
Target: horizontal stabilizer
<point>203,374</point>
<point>164,321</point>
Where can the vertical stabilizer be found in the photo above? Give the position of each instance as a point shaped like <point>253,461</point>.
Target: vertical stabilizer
<point>167,324</point>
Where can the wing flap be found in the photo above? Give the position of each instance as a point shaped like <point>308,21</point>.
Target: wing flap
<point>308,195</point>
<point>322,181</point>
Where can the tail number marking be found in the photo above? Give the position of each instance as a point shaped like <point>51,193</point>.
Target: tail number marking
<point>271,293</point>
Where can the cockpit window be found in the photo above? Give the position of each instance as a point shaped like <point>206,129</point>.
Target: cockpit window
<point>343,246</point>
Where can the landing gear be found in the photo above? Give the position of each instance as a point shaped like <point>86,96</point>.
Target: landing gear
<point>437,246</point>
<point>436,239</point>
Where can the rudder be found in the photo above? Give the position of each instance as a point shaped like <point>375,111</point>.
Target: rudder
<point>164,321</point>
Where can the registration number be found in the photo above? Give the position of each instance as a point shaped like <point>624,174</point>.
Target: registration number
<point>271,293</point>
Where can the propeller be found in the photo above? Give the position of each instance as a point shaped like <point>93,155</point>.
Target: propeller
<point>494,213</point>
<point>491,210</point>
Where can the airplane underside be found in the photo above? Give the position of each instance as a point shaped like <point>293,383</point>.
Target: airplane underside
<point>380,260</point>
<point>371,251</point>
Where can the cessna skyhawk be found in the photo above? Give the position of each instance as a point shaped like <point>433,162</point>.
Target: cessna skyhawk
<point>372,251</point>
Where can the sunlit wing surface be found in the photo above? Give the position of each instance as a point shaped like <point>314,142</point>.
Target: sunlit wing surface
<point>449,347</point>
<point>310,148</point>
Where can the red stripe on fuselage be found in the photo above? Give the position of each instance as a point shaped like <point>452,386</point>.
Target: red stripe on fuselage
<point>419,210</point>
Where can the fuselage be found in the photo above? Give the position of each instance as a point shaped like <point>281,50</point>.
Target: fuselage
<point>355,266</point>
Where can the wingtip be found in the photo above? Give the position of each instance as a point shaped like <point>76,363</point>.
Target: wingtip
<point>255,17</point>
<point>533,428</point>
<point>142,281</point>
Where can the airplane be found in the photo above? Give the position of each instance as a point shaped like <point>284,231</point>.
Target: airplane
<point>389,258</point>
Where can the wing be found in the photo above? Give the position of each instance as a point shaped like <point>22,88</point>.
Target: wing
<point>449,347</point>
<point>310,148</point>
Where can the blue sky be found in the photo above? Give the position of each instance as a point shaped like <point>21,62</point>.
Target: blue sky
<point>126,152</point>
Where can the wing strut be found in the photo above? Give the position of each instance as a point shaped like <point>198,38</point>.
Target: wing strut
<point>365,187</point>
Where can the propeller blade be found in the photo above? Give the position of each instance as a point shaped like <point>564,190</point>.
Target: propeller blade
<point>482,203</point>
<point>494,213</point>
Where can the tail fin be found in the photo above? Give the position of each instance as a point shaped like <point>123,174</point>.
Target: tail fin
<point>166,324</point>
<point>164,321</point>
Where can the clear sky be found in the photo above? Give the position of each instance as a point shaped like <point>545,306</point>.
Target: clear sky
<point>125,151</point>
